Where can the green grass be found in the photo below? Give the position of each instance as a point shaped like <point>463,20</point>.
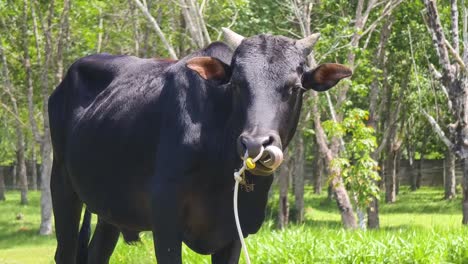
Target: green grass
<point>419,228</point>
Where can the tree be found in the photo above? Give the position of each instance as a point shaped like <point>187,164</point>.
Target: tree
<point>44,139</point>
<point>375,109</point>
<point>20,153</point>
<point>455,80</point>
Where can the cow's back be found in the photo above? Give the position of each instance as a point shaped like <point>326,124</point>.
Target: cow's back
<point>87,80</point>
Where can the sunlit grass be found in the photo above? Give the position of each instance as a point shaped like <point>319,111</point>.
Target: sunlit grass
<point>419,228</point>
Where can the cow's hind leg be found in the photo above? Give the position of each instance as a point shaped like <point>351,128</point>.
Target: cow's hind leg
<point>67,212</point>
<point>103,243</point>
<point>227,255</point>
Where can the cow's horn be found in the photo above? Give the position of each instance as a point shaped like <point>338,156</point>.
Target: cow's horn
<point>308,43</point>
<point>232,38</point>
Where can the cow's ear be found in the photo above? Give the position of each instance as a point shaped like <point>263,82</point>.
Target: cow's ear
<point>325,76</point>
<point>210,68</point>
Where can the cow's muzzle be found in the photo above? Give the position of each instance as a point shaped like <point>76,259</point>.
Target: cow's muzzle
<point>271,157</point>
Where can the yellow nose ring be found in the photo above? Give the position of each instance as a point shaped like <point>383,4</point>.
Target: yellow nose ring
<point>250,163</point>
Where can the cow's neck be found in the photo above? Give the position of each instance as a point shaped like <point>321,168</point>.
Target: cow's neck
<point>232,129</point>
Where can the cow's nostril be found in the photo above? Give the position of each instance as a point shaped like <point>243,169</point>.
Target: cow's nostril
<point>242,145</point>
<point>243,141</point>
<point>269,140</point>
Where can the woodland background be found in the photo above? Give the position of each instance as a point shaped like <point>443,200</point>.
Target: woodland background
<point>407,101</point>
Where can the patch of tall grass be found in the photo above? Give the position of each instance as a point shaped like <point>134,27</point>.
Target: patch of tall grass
<point>419,228</point>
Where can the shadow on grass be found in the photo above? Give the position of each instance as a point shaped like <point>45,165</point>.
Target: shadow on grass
<point>423,201</point>
<point>427,200</point>
<point>14,235</point>
<point>337,225</point>
<point>323,224</point>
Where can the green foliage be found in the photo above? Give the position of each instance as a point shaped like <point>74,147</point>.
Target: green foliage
<point>359,170</point>
<point>126,31</point>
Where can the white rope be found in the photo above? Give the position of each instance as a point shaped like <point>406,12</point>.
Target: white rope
<point>274,159</point>
<point>238,179</point>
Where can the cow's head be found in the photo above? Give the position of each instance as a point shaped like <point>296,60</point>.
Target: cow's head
<point>268,76</point>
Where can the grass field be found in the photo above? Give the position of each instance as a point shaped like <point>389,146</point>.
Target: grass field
<point>418,228</point>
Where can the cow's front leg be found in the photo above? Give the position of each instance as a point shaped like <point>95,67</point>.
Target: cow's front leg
<point>167,234</point>
<point>228,255</point>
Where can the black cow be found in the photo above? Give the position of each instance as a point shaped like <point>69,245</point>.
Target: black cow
<point>152,144</point>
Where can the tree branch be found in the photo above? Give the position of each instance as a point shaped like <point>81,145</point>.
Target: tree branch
<point>438,76</point>
<point>439,39</point>
<point>455,55</point>
<point>454,15</point>
<point>158,30</point>
<point>435,126</point>
<point>388,9</point>
<point>435,72</point>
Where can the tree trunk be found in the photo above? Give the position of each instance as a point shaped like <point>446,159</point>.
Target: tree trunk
<point>318,174</point>
<point>419,176</point>
<point>449,180</point>
<point>411,166</point>
<point>341,195</point>
<point>299,157</point>
<point>17,181</point>
<point>283,182</point>
<point>390,178</point>
<point>397,171</point>
<point>465,191</point>
<point>373,220</point>
<point>361,218</point>
<point>342,201</point>
<point>378,112</point>
<point>46,198</point>
<point>46,145</point>
<point>29,77</point>
<point>14,177</point>
<point>462,139</point>
<point>2,184</point>
<point>21,169</point>
<point>31,170</point>
<point>421,162</point>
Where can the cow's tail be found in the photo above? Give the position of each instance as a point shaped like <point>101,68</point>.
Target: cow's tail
<point>83,238</point>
